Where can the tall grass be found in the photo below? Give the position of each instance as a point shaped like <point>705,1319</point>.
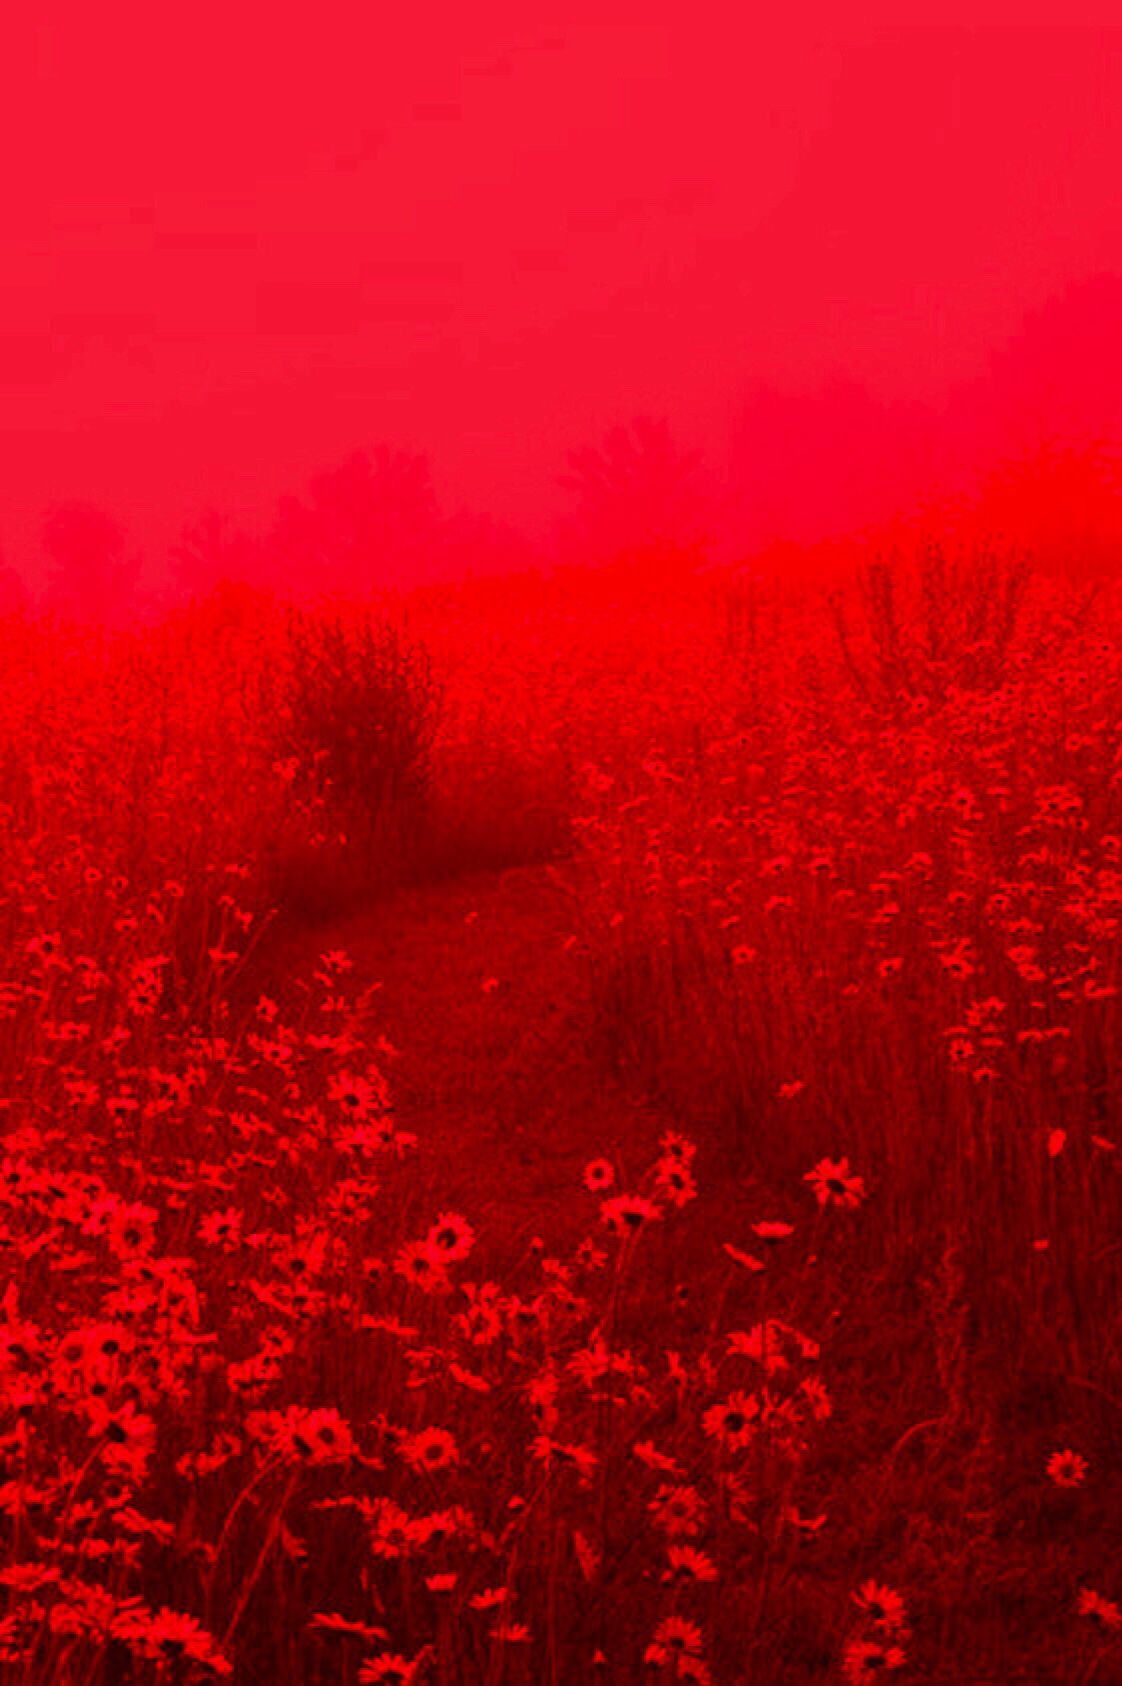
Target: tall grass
<point>879,918</point>
<point>949,618</point>
<point>294,742</point>
<point>820,1381</point>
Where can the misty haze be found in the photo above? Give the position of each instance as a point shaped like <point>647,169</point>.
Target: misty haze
<point>561,821</point>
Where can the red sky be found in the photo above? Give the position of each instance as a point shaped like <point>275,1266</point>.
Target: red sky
<point>243,241</point>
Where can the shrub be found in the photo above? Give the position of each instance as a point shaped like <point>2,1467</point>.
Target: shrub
<point>934,621</point>
<point>954,615</point>
<point>353,708</point>
<point>360,706</point>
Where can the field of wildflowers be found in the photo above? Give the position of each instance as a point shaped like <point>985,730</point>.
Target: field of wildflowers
<point>808,1368</point>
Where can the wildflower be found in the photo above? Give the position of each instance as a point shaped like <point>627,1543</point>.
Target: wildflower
<point>647,1452</point>
<point>761,1344</point>
<point>960,1050</point>
<point>599,1175</point>
<point>336,961</point>
<point>958,964</point>
<point>46,947</point>
<point>490,1598</point>
<point>468,1378</point>
<point>675,1182</point>
<point>328,1621</point>
<point>359,1098</point>
<point>523,1315</point>
<point>834,1184</point>
<point>597,1362</point>
<point>805,1524</point>
<point>679,1511</point>
<point>689,1566</point>
<point>678,1147</point>
<point>131,1228</point>
<point>817,1398</point>
<point>772,1231</point>
<point>390,1668</point>
<point>225,1447</point>
<point>627,1213</point>
<point>441,1526</point>
<point>882,1606</point>
<point>417,1264</point>
<point>19,1344</point>
<point>174,1638</point>
<point>392,1529</point>
<point>26,1578</point>
<point>1102,1610</point>
<point>482,1321</point>
<point>867,1659</point>
<point>731,1423</point>
<point>104,1343</point>
<point>315,1436</point>
<point>674,1638</point>
<point>222,1229</point>
<point>1067,1468</point>
<point>450,1239</point>
<point>675,1368</point>
<point>128,1437</point>
<point>552,1452</point>
<point>431,1449</point>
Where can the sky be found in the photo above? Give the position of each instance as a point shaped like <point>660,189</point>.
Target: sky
<point>837,254</point>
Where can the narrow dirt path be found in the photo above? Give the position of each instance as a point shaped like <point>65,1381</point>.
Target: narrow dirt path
<point>485,996</point>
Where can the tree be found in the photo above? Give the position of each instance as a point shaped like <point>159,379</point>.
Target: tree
<point>90,575</point>
<point>639,497</point>
<point>1061,499</point>
<point>368,522</point>
<point>13,590</point>
<point>212,553</point>
<point>832,459</point>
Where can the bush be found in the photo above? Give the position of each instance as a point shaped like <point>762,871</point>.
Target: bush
<point>354,707</point>
<point>934,622</point>
<point>954,617</point>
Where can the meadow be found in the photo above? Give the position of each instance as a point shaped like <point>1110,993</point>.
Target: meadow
<point>566,1128</point>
